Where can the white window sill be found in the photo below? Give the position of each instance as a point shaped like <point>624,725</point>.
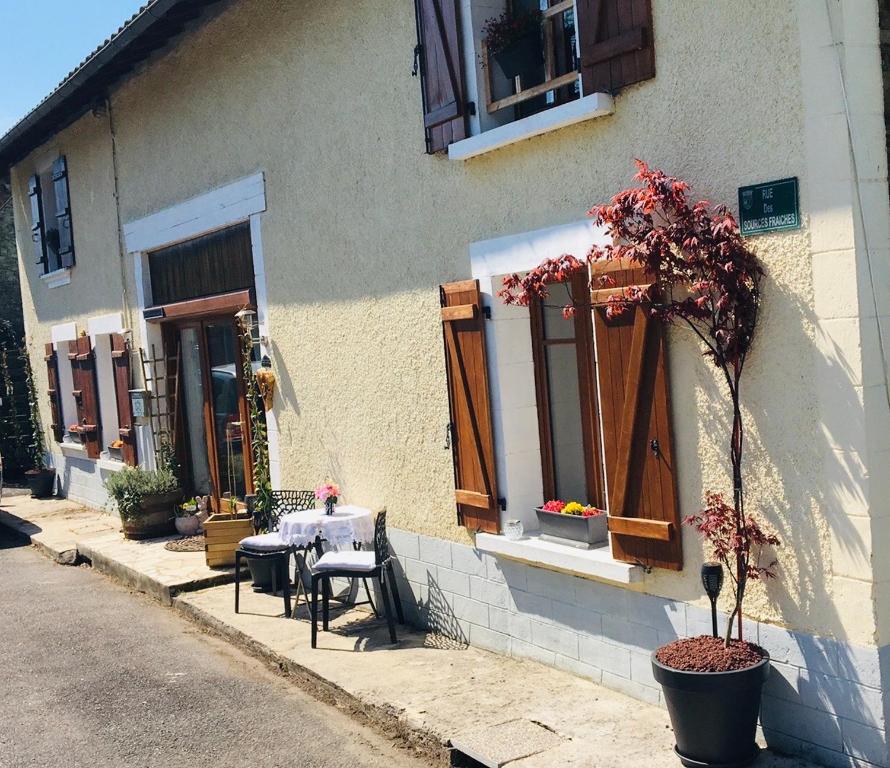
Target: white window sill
<point>595,105</point>
<point>57,278</point>
<point>110,465</point>
<point>74,450</point>
<point>589,563</point>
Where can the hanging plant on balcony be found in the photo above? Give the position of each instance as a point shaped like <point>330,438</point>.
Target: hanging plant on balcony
<point>514,41</point>
<point>704,277</point>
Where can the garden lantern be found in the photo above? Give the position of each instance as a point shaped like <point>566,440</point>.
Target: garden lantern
<point>712,580</point>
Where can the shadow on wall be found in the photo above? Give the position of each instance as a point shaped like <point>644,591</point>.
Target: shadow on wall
<point>816,680</point>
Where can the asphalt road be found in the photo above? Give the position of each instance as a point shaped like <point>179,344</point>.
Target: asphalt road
<point>93,675</point>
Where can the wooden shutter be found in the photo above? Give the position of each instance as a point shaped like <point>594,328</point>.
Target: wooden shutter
<point>55,395</point>
<point>637,440</point>
<point>441,73</point>
<point>616,43</point>
<point>37,220</point>
<point>472,442</point>
<point>83,371</point>
<point>120,359</point>
<point>63,212</point>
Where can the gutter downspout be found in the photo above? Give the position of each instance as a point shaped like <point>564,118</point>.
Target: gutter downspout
<point>122,249</point>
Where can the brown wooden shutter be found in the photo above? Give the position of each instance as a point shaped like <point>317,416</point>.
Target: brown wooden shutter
<point>440,63</point>
<point>616,43</point>
<point>55,395</point>
<point>472,442</point>
<point>37,220</point>
<point>644,517</point>
<point>63,212</point>
<point>120,359</point>
<point>83,371</point>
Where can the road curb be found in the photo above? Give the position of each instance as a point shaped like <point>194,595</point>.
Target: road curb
<point>382,718</point>
<point>27,529</point>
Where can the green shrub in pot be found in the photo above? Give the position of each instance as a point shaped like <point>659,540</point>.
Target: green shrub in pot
<point>145,500</point>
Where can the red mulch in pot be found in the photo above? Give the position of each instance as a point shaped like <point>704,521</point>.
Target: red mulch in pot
<point>709,654</point>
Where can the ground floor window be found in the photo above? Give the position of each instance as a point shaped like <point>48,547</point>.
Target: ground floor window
<point>565,388</point>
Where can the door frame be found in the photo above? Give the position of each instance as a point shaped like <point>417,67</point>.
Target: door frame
<point>238,201</point>
<point>172,330</point>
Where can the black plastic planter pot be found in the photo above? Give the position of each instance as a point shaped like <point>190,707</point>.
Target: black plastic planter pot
<point>41,482</point>
<point>521,57</point>
<point>264,576</point>
<point>714,714</point>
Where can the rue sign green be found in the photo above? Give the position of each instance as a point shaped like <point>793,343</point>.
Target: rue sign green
<point>770,207</point>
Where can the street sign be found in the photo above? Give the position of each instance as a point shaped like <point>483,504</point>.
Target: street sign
<point>769,207</point>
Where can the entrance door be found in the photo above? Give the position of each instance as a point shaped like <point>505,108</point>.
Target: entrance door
<point>215,436</point>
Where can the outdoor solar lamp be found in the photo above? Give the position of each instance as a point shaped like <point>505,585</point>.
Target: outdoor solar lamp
<point>712,580</point>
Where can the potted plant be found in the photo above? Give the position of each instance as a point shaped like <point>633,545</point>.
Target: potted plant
<point>188,523</point>
<point>514,41</point>
<point>576,524</point>
<point>41,479</point>
<point>702,276</point>
<point>145,499</point>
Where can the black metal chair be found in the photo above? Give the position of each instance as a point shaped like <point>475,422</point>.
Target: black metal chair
<point>358,564</point>
<point>269,545</point>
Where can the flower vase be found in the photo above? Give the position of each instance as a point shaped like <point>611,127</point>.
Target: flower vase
<point>329,503</point>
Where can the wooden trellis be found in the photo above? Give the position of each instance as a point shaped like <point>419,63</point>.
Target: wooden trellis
<point>161,374</point>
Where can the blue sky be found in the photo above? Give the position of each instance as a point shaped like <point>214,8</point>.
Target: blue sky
<point>43,40</point>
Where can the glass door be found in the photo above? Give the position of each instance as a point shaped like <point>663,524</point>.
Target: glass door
<point>214,412</point>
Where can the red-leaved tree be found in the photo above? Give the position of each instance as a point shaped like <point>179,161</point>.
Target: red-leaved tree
<point>704,277</point>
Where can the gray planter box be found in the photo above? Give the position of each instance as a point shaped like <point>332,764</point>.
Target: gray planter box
<point>574,530</point>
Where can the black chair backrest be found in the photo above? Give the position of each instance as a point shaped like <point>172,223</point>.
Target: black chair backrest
<point>285,502</point>
<point>381,541</point>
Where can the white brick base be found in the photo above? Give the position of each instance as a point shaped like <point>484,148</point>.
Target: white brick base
<point>823,701</point>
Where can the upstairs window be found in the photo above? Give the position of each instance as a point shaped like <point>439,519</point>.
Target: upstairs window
<point>486,63</point>
<point>51,228</point>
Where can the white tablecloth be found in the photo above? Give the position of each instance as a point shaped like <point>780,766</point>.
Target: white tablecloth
<point>348,524</point>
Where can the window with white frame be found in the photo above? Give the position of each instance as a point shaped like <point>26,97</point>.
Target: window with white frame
<point>51,227</point>
<point>486,63</point>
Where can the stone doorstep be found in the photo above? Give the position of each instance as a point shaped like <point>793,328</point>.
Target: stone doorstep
<point>67,532</point>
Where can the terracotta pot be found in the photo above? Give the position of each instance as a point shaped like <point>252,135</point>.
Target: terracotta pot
<point>155,518</point>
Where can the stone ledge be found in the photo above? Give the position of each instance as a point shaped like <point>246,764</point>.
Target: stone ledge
<point>587,563</point>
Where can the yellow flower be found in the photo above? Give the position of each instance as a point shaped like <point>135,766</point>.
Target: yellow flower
<point>573,508</point>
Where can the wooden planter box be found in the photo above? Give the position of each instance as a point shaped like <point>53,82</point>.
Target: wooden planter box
<point>222,532</point>
<point>574,530</point>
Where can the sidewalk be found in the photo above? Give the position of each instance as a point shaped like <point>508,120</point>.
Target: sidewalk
<point>428,691</point>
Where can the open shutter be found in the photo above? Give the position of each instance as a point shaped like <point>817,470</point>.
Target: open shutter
<point>55,396</point>
<point>637,440</point>
<point>120,359</point>
<point>83,372</point>
<point>440,63</point>
<point>63,212</point>
<point>36,220</point>
<point>616,43</point>
<point>472,442</point>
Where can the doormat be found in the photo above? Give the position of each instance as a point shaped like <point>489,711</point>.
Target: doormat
<point>186,544</point>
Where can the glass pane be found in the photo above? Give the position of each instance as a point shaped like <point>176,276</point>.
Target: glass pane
<point>193,402</point>
<point>50,222</point>
<point>222,353</point>
<point>555,325</point>
<point>565,422</point>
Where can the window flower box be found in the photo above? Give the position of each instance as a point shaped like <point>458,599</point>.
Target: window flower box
<point>573,527</point>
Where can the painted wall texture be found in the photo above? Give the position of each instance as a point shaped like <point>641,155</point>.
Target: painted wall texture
<point>362,227</point>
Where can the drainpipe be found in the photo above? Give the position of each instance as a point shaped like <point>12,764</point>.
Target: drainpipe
<point>121,244</point>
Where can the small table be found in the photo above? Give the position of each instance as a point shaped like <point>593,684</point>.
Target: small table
<point>349,527</point>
